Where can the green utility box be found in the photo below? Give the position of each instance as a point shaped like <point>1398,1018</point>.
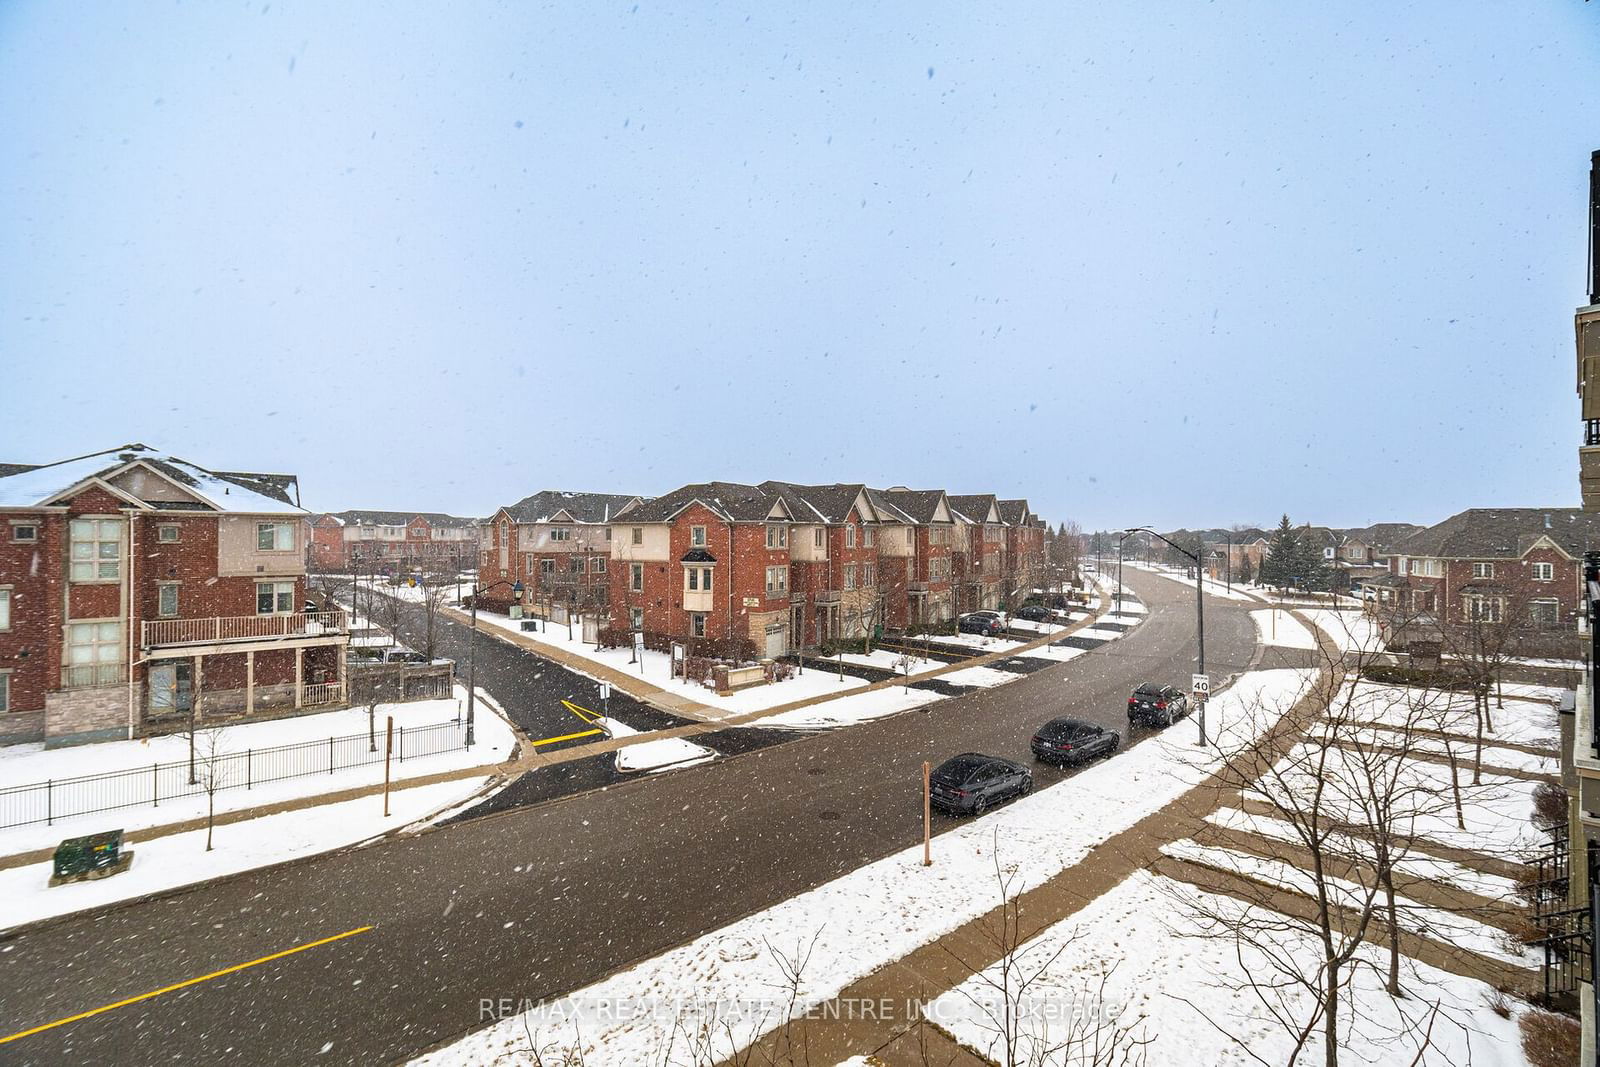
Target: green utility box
<point>86,855</point>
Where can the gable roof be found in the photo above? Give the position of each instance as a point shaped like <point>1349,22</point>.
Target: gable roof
<point>728,501</point>
<point>1504,533</point>
<point>821,503</point>
<point>1382,535</point>
<point>976,507</point>
<point>551,505</point>
<point>1014,512</point>
<point>359,517</point>
<point>887,510</point>
<point>921,506</point>
<point>24,485</point>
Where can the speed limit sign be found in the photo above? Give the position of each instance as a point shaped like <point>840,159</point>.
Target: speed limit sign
<point>1202,686</point>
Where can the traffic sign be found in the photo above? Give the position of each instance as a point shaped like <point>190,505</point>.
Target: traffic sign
<point>605,691</point>
<point>1202,685</point>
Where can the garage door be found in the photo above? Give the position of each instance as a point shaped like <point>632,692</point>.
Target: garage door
<point>777,641</point>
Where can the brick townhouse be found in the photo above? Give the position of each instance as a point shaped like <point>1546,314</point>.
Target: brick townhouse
<point>709,560</point>
<point>923,538</point>
<point>1516,564</point>
<point>136,587</point>
<point>392,540</point>
<point>1024,546</point>
<point>980,551</point>
<point>833,555</point>
<point>557,544</point>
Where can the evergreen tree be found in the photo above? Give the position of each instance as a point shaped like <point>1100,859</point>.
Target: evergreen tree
<point>1311,569</point>
<point>1283,555</point>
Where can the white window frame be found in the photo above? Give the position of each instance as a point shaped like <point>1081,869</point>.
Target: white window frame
<point>1544,572</point>
<point>636,618</point>
<point>1474,605</point>
<point>5,608</point>
<point>31,537</point>
<point>547,566</point>
<point>777,536</point>
<point>95,560</point>
<point>868,536</point>
<point>697,536</point>
<point>636,577</point>
<point>777,581</point>
<point>277,591</point>
<point>849,576</point>
<point>560,533</point>
<point>869,575</point>
<point>697,582</point>
<point>1555,611</point>
<point>638,535</point>
<point>163,530</point>
<point>101,664</point>
<point>598,565</point>
<point>849,535</point>
<point>162,589</point>
<point>5,690</point>
<point>1483,570</point>
<point>697,624</point>
<point>280,532</point>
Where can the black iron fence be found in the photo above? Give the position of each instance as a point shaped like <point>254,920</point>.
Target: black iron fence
<point>63,798</point>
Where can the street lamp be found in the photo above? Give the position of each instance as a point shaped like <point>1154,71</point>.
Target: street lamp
<point>472,646</point>
<point>1199,611</point>
<point>1120,539</point>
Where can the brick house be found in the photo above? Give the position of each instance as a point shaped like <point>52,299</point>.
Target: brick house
<point>980,552</point>
<point>1024,550</point>
<point>915,555</point>
<point>709,560</point>
<point>557,544</point>
<point>395,541</point>
<point>136,587</point>
<point>833,554</point>
<point>1484,563</point>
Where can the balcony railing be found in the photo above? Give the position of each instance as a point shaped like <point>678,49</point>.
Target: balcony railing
<point>318,693</point>
<point>205,631</point>
<point>93,675</point>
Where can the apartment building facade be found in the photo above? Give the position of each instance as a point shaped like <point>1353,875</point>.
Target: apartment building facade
<point>137,587</point>
<point>979,552</point>
<point>557,545</point>
<point>392,541</point>
<point>926,543</point>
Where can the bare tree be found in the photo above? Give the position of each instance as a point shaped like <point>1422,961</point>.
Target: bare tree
<point>213,770</point>
<point>435,595</point>
<point>1481,640</point>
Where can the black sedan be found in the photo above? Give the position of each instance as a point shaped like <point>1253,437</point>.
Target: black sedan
<point>1073,741</point>
<point>971,782</point>
<point>986,623</point>
<point>1157,705</point>
<point>1034,613</point>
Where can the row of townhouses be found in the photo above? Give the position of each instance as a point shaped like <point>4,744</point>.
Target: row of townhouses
<point>785,566</point>
<point>371,541</point>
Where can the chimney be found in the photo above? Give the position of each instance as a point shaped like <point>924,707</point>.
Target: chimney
<point>1594,228</point>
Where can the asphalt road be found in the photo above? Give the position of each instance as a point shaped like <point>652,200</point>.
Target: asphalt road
<point>540,900</point>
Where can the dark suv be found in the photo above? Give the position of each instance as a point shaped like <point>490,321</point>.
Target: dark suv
<point>1073,741</point>
<point>971,782</point>
<point>1157,705</point>
<point>986,623</point>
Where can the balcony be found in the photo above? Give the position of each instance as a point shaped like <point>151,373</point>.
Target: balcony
<point>93,675</point>
<point>163,633</point>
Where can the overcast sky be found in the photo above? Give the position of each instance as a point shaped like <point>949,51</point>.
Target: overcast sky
<point>1173,263</point>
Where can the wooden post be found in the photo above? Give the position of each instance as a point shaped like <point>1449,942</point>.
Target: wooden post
<point>249,683</point>
<point>388,747</point>
<point>195,706</point>
<point>299,676</point>
<point>927,814</point>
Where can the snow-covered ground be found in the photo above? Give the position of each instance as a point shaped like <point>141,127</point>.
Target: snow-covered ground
<point>879,912</point>
<point>23,764</point>
<point>1351,631</point>
<point>1189,994</point>
<point>1281,629</point>
<point>181,859</point>
<point>654,755</point>
<point>1528,717</point>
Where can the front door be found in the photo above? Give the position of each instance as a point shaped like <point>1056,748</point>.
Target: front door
<point>171,689</point>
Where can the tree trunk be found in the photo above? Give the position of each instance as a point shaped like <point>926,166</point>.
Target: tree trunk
<point>1477,754</point>
<point>1394,930</point>
<point>1455,784</point>
<point>1330,1029</point>
<point>211,813</point>
<point>1488,719</point>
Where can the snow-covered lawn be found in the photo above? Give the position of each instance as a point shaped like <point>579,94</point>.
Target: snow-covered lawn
<point>983,677</point>
<point>847,711</point>
<point>884,659</point>
<point>24,764</point>
<point>181,859</point>
<point>1281,629</point>
<point>881,911</point>
<point>1528,718</point>
<point>1188,993</point>
<point>1443,926</point>
<point>1351,631</point>
<point>1212,586</point>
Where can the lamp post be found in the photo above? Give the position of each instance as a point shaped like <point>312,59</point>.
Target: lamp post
<point>1199,612</point>
<point>472,647</point>
<point>1120,539</point>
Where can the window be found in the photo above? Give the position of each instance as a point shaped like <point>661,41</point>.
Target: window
<point>867,536</point>
<point>274,598</point>
<point>5,609</point>
<point>505,535</point>
<point>598,565</point>
<point>166,533</point>
<point>575,565</point>
<point>777,537</point>
<point>560,533</point>
<point>849,575</point>
<point>819,538</point>
<point>777,581</point>
<point>636,577</point>
<point>608,533</point>
<point>1544,572</point>
<point>1544,613</point>
<point>636,618</point>
<point>24,531</point>
<point>697,536</point>
<point>849,535</point>
<point>96,550</point>
<point>274,537</point>
<point>547,566</point>
<point>167,600</point>
<point>697,624</point>
<point>94,653</point>
<point>697,579</point>
<point>5,691</point>
<point>1482,608</point>
<point>638,535</point>
<point>1483,570</point>
<point>869,575</point>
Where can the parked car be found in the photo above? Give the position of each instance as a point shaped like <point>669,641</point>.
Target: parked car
<point>986,623</point>
<point>971,782</point>
<point>1073,741</point>
<point>403,655</point>
<point>1034,613</point>
<point>1157,705</point>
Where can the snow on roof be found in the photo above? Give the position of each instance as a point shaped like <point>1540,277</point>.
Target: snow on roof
<point>239,491</point>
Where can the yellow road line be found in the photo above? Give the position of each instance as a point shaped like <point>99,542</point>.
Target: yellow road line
<point>567,737</point>
<point>185,985</point>
<point>582,712</point>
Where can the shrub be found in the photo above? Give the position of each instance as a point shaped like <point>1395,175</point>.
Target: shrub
<point>1550,1040</point>
<point>1395,674</point>
<point>1549,806</point>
